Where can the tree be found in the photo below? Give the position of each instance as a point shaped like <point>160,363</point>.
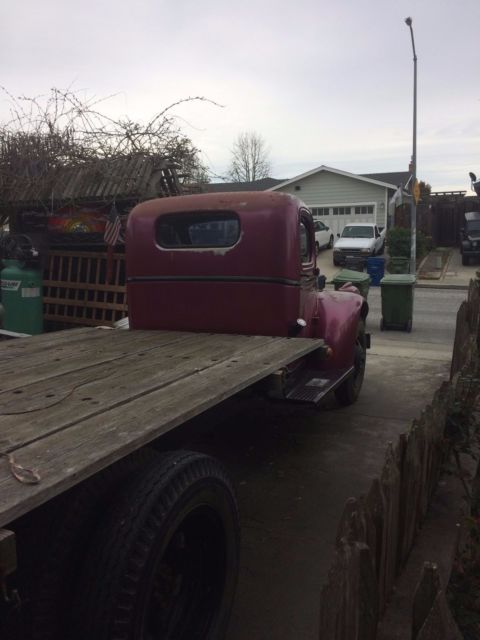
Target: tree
<point>250,158</point>
<point>425,190</point>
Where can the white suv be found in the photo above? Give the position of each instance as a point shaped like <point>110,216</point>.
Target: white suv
<point>323,236</point>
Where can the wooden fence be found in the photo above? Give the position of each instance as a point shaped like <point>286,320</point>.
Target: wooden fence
<point>377,531</point>
<point>76,291</point>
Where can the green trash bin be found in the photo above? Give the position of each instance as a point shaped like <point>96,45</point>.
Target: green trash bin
<point>397,301</point>
<point>397,264</point>
<point>358,278</point>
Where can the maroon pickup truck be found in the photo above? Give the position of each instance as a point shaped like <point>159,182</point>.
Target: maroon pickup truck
<point>105,534</point>
<point>245,263</point>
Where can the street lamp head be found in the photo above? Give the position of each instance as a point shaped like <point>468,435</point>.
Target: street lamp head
<point>408,21</point>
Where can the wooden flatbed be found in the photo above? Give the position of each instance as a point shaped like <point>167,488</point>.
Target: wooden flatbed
<point>73,402</point>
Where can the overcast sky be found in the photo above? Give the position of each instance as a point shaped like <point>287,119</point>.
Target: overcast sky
<point>323,82</point>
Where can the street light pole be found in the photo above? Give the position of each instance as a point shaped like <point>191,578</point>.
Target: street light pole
<point>413,249</point>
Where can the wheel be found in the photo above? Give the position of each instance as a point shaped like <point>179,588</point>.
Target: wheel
<point>382,325</point>
<point>408,326</point>
<point>336,263</point>
<point>349,390</point>
<point>465,260</point>
<point>165,563</point>
<point>330,243</point>
<point>317,248</point>
<point>63,532</point>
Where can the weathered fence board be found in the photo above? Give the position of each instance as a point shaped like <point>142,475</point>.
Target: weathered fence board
<point>382,526</point>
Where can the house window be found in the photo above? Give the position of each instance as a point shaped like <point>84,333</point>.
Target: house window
<point>341,211</point>
<point>320,211</point>
<point>364,208</point>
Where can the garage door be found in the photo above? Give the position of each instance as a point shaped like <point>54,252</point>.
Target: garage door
<point>336,217</point>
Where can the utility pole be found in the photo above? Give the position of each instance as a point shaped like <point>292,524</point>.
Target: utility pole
<point>413,189</point>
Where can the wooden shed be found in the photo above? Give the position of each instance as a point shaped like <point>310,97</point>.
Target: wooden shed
<point>64,211</point>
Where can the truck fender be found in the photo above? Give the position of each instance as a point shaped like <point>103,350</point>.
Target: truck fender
<point>339,314</point>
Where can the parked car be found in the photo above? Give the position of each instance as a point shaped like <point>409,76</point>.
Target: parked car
<point>470,237</point>
<point>323,236</point>
<point>358,240</point>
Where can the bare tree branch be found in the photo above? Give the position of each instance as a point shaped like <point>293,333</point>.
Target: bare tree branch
<point>63,129</point>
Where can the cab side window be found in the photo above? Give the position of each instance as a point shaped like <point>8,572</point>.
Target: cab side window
<point>305,249</point>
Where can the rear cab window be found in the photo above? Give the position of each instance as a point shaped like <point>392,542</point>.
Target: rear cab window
<point>201,229</point>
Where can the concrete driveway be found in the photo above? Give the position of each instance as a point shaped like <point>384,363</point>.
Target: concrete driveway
<point>294,468</point>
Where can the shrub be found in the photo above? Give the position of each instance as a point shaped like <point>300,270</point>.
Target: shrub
<point>398,241</point>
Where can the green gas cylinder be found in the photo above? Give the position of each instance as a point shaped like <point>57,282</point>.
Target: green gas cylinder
<point>22,297</point>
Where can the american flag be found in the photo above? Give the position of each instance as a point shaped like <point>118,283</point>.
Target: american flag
<point>113,227</point>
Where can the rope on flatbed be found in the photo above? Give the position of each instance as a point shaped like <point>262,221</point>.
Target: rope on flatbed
<point>22,474</point>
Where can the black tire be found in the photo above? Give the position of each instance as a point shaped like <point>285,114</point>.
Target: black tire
<point>465,260</point>
<point>330,243</point>
<point>165,563</point>
<point>348,391</point>
<point>62,533</point>
<point>336,263</point>
<point>408,326</point>
<point>382,325</point>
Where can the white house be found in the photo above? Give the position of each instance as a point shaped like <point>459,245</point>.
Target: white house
<point>339,197</point>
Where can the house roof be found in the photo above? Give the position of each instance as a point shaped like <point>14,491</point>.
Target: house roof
<point>371,180</point>
<point>257,185</point>
<point>397,177</point>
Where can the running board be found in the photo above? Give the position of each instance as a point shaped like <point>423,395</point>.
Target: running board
<point>313,386</point>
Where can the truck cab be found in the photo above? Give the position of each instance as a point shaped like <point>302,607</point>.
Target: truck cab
<point>242,263</point>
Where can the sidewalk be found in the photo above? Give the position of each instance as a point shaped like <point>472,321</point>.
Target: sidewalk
<point>440,269</point>
<point>451,275</point>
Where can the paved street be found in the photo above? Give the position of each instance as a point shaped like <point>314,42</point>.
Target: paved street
<point>434,315</point>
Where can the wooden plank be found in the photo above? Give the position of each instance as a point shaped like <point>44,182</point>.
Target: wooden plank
<point>83,254</point>
<point>101,347</point>
<point>82,321</point>
<point>43,342</point>
<point>86,285</point>
<point>35,410</point>
<point>66,457</point>
<point>80,304</point>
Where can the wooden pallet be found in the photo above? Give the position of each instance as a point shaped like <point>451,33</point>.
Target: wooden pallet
<point>76,292</point>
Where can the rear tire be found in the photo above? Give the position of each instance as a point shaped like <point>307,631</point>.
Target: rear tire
<point>348,392</point>
<point>63,534</point>
<point>165,563</point>
<point>330,243</point>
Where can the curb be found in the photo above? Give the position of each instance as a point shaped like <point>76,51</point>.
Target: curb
<point>425,285</point>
